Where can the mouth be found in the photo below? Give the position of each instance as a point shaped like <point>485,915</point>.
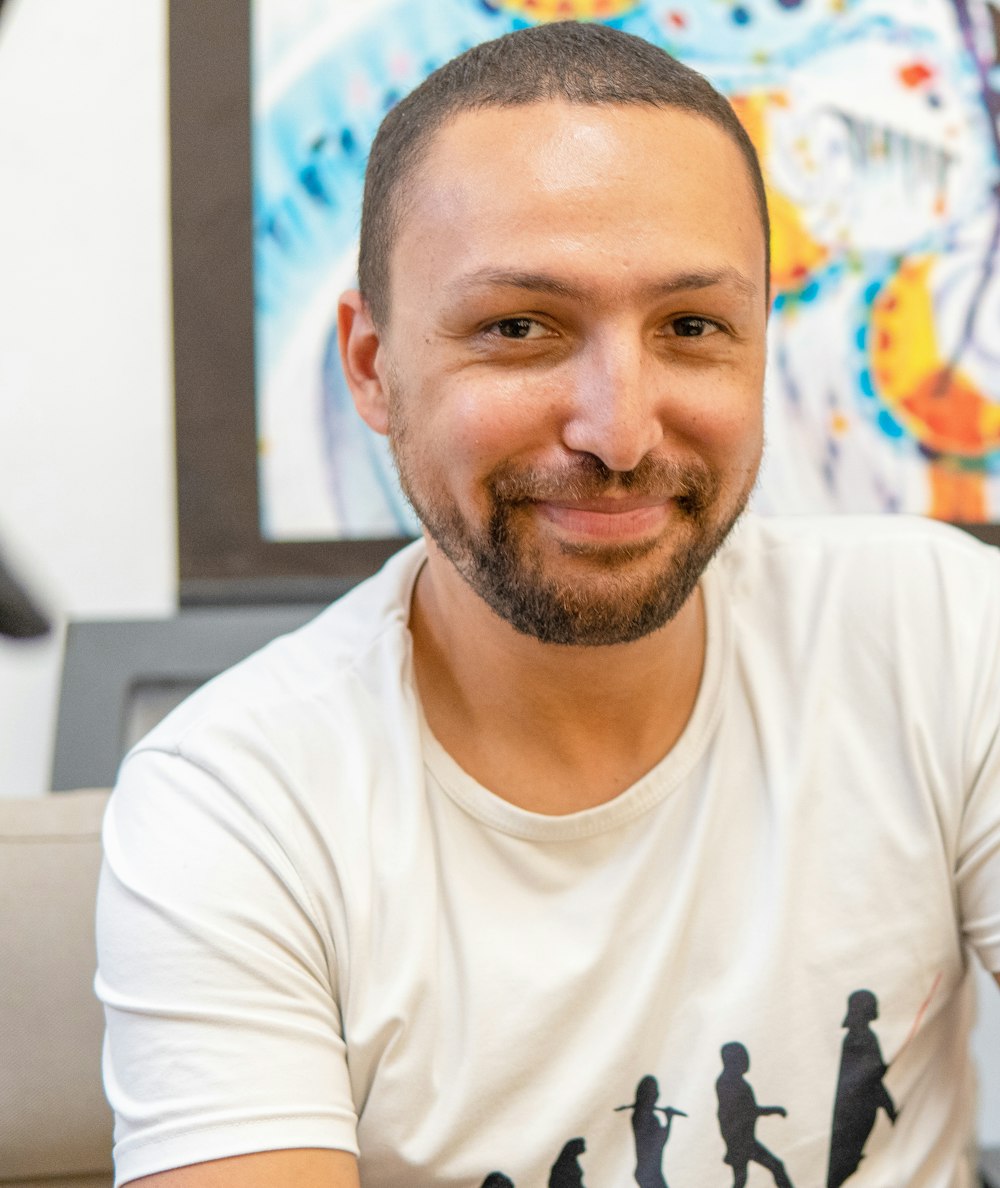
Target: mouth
<point>608,519</point>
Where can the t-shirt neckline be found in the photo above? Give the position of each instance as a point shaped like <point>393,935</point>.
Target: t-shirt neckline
<point>648,791</point>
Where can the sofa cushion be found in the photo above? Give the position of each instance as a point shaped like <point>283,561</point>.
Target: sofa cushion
<point>54,1120</point>
<point>103,1181</point>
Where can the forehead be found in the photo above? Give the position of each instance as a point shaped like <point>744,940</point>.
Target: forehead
<point>558,187</point>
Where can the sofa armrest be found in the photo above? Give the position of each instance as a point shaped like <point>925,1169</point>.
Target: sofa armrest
<point>54,1120</point>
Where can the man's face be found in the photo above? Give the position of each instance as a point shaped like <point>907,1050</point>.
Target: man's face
<point>574,359</point>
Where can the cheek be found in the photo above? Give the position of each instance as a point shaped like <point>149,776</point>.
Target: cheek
<point>729,425</point>
<point>743,443</point>
<point>745,427</point>
<point>484,421</point>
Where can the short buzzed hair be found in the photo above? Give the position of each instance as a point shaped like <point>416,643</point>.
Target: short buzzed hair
<point>576,62</point>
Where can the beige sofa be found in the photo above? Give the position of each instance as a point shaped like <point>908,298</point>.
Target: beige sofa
<point>55,1125</point>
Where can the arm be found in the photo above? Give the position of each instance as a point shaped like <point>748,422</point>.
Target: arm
<point>219,986</point>
<point>267,1169</point>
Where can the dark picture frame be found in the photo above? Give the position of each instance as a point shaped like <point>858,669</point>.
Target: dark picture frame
<point>223,557</point>
<point>222,553</point>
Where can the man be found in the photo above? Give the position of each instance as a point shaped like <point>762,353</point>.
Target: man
<point>558,802</point>
<point>860,1092</point>
<point>738,1114</point>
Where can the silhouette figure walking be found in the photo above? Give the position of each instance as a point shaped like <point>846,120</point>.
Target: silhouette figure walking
<point>650,1133</point>
<point>738,1114</point>
<point>860,1092</point>
<point>566,1171</point>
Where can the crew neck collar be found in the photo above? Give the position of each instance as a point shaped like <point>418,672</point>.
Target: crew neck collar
<point>649,790</point>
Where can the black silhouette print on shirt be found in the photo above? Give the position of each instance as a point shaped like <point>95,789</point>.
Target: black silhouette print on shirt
<point>566,1171</point>
<point>650,1133</point>
<point>860,1095</point>
<point>738,1114</point>
<point>860,1092</point>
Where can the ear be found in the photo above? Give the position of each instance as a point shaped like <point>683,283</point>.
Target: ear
<point>359,356</point>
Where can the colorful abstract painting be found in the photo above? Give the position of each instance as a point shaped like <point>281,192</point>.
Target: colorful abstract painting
<point>878,125</point>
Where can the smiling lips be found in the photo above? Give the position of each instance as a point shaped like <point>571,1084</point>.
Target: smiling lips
<point>608,519</point>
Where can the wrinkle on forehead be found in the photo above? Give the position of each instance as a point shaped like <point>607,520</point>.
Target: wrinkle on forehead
<point>537,282</point>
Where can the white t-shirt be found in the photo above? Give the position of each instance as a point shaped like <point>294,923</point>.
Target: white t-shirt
<point>316,930</point>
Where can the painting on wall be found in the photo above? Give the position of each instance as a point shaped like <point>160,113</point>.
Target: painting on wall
<point>878,127</point>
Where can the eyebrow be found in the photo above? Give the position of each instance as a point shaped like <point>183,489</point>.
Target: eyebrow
<point>540,282</point>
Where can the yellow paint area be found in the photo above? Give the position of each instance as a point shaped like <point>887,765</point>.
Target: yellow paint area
<point>794,252</point>
<point>903,316</point>
<point>942,406</point>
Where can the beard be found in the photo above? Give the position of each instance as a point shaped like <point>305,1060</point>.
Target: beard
<point>620,592</point>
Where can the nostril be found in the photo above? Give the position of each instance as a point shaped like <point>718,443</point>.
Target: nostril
<point>618,436</point>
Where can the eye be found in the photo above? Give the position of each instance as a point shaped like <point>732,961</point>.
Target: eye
<point>694,327</point>
<point>516,328</point>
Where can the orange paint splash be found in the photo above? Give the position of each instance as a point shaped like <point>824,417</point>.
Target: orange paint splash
<point>920,1017</point>
<point>957,494</point>
<point>949,412</point>
<point>915,74</point>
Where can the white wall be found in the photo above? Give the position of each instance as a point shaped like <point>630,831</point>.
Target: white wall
<point>86,469</point>
<point>86,442</point>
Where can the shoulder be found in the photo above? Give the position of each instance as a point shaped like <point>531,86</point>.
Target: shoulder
<point>851,536</point>
<point>284,764</point>
<point>323,698</point>
<point>359,642</point>
<point>816,558</point>
<point>920,597</point>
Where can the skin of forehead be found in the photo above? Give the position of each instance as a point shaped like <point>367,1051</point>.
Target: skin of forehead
<point>408,186</point>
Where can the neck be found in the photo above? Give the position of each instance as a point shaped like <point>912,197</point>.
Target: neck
<point>549,727</point>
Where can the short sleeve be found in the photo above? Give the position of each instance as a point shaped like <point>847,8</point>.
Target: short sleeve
<point>218,978</point>
<point>978,865</point>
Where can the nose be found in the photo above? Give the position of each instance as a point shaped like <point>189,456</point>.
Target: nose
<point>614,411</point>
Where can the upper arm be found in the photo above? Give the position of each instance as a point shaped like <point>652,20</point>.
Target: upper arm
<point>305,1168</point>
<point>219,980</point>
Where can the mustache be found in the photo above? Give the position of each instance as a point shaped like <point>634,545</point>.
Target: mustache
<point>692,486</point>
